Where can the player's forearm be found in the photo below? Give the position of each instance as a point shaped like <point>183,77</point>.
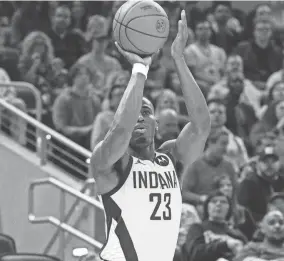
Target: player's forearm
<point>193,97</point>
<point>117,139</point>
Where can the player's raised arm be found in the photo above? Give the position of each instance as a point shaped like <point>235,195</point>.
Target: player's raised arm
<point>191,141</point>
<point>116,142</point>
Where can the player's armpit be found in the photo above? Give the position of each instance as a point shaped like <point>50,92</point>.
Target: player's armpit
<point>108,179</point>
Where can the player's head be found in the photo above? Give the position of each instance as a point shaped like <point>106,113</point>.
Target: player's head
<point>144,130</point>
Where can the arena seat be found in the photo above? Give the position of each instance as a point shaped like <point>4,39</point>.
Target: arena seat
<point>7,245</point>
<point>28,257</point>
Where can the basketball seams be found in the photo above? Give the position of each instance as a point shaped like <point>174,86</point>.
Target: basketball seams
<point>124,18</point>
<point>131,42</point>
<point>145,16</point>
<point>137,31</point>
<point>117,19</point>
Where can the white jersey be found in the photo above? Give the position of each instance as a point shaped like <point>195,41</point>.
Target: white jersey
<point>143,212</point>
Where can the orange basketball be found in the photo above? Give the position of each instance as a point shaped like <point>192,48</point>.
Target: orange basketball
<point>141,27</point>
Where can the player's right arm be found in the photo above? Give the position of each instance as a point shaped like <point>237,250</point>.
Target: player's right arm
<point>116,142</point>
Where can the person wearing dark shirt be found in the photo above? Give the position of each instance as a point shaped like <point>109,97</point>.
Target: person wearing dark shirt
<point>68,44</point>
<point>261,57</point>
<point>213,238</point>
<point>258,185</point>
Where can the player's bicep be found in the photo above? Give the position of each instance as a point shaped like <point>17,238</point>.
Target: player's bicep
<point>190,144</point>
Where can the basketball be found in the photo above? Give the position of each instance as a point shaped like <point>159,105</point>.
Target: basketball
<point>141,27</point>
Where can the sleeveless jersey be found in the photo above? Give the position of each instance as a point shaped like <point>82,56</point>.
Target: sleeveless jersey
<point>143,212</point>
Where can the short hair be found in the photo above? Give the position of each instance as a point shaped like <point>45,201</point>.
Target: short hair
<point>275,197</point>
<point>75,69</point>
<point>215,4</point>
<point>214,136</point>
<point>217,101</point>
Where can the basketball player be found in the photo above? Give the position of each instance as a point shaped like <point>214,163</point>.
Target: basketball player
<point>138,185</point>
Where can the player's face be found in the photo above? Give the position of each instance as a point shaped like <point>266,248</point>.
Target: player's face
<point>144,130</point>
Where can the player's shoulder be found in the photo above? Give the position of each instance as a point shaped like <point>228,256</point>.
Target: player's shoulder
<point>167,148</point>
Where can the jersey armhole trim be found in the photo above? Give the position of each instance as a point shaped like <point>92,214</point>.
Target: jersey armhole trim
<point>122,178</point>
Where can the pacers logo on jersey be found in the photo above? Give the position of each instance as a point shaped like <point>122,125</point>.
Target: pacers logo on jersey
<point>162,160</point>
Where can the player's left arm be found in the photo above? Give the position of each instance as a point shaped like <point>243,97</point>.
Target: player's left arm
<point>191,141</point>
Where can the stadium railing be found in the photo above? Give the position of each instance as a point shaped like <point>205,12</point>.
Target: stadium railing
<point>51,146</point>
<point>61,223</point>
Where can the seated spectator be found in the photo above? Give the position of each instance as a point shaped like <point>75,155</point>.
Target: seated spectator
<point>250,95</point>
<point>79,16</point>
<point>75,108</point>
<point>240,114</point>
<point>168,100</point>
<point>275,77</point>
<point>272,121</point>
<point>261,58</point>
<point>241,218</point>
<point>275,203</point>
<point>226,30</point>
<point>99,63</point>
<point>168,128</point>
<point>189,216</point>
<point>206,61</point>
<point>17,127</point>
<point>198,178</point>
<point>213,238</point>
<point>36,65</point>
<point>261,12</point>
<point>68,44</point>
<point>156,78</point>
<point>275,93</point>
<point>271,248</point>
<point>261,178</point>
<point>236,151</point>
<point>104,119</point>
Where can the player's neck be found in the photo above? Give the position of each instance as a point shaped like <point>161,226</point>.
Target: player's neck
<point>147,153</point>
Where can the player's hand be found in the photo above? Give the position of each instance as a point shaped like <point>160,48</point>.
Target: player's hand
<point>134,58</point>
<point>180,41</point>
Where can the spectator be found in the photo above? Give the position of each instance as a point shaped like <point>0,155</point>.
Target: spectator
<point>198,178</point>
<point>168,128</point>
<point>169,100</point>
<point>99,63</point>
<point>68,44</point>
<point>262,12</point>
<point>260,179</point>
<point>25,20</point>
<point>275,93</point>
<point>75,109</point>
<point>189,216</point>
<point>17,127</point>
<point>241,218</point>
<point>275,203</point>
<point>275,77</point>
<point>236,150</point>
<point>35,63</point>
<point>206,61</point>
<point>104,119</point>
<point>79,17</point>
<point>226,32</point>
<point>213,238</point>
<point>271,248</point>
<point>250,95</point>
<point>261,58</point>
<point>272,121</point>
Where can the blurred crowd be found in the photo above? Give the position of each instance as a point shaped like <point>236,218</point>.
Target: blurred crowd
<point>234,194</point>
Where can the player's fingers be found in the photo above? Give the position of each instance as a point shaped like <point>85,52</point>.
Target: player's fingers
<point>120,49</point>
<point>183,17</point>
<point>180,26</point>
